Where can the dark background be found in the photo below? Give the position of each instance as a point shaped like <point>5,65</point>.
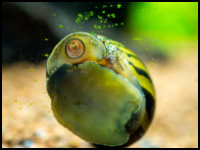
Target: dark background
<point>26,25</point>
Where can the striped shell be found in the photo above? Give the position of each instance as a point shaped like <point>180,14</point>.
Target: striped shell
<point>100,90</point>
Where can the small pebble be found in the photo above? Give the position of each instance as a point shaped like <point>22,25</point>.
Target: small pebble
<point>146,143</point>
<point>28,143</point>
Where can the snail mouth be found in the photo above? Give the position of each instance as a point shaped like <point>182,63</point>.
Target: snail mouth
<point>71,67</point>
<point>67,66</point>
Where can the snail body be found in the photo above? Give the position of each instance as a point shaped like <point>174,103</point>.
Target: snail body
<point>100,90</point>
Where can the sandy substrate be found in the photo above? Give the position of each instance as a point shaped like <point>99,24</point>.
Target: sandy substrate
<point>27,119</point>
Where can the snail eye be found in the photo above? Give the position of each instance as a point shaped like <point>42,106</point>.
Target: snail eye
<point>74,48</point>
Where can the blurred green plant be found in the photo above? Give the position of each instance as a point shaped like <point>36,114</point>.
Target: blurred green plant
<point>171,26</point>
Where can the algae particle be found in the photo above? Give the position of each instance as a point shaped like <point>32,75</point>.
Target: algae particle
<point>153,44</point>
<point>99,17</point>
<point>46,39</point>
<point>119,5</point>
<point>79,15</point>
<point>150,65</point>
<point>92,32</point>
<point>103,12</point>
<point>91,13</point>
<point>60,26</point>
<point>54,14</point>
<point>31,69</point>
<point>46,55</point>
<point>113,15</point>
<point>99,27</point>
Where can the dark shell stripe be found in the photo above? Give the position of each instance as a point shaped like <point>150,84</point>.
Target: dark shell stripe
<point>141,70</point>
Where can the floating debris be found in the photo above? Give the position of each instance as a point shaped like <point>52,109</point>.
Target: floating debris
<point>113,15</point>
<point>99,27</point>
<point>119,5</point>
<point>150,65</point>
<point>60,26</point>
<point>15,101</point>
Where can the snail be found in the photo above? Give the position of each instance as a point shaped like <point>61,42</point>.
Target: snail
<point>99,90</point>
